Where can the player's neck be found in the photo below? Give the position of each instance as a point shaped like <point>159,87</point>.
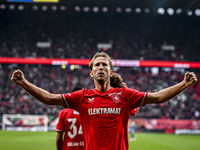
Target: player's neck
<point>103,87</point>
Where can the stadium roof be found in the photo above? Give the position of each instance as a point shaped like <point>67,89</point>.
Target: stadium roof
<point>143,3</point>
<point>138,3</point>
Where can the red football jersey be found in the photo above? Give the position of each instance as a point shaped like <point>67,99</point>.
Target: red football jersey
<point>105,115</point>
<point>70,123</point>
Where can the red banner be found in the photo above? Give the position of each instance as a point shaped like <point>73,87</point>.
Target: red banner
<point>170,124</point>
<point>117,62</point>
<point>44,61</point>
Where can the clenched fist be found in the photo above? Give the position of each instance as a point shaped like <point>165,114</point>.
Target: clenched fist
<point>17,77</point>
<point>190,78</point>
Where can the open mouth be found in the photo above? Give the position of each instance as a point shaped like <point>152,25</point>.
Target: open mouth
<point>101,74</point>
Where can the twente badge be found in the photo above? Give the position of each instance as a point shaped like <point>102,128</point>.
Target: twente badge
<point>115,98</point>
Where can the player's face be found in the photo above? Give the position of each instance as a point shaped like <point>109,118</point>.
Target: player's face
<point>101,71</point>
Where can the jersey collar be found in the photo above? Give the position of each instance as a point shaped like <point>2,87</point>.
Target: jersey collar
<point>99,92</point>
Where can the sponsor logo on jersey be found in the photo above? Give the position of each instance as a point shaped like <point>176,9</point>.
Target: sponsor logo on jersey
<point>91,99</point>
<point>95,111</point>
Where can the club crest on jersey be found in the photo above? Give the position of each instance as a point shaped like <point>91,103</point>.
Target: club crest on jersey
<point>116,98</point>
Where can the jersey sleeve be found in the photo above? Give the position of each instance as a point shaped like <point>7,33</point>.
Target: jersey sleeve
<point>73,99</point>
<point>136,98</point>
<point>134,111</point>
<point>60,127</point>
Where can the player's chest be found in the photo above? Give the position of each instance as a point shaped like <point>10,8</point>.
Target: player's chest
<point>107,100</point>
<point>110,104</point>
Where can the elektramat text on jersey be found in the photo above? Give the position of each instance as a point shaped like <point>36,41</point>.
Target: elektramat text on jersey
<point>96,111</point>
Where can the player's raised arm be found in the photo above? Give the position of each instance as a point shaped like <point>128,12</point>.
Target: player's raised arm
<point>38,93</point>
<point>168,93</point>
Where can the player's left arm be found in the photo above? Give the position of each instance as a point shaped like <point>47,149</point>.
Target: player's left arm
<point>170,92</point>
<point>134,111</point>
<point>59,141</point>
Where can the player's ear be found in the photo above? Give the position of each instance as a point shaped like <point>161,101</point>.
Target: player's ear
<point>111,74</point>
<point>91,74</point>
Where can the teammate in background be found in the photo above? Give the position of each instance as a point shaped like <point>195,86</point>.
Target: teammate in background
<point>104,110</point>
<point>69,125</point>
<point>132,125</point>
<point>132,130</point>
<point>117,81</point>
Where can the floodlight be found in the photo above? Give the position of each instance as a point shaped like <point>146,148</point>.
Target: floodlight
<point>96,9</point>
<point>44,8</point>
<point>2,6</point>
<point>35,7</point>
<point>77,8</point>
<point>179,11</point>
<point>118,9</point>
<point>54,8</point>
<point>189,12</point>
<point>138,10</point>
<point>63,8</point>
<point>161,11</point>
<point>197,12</point>
<point>170,11</point>
<point>21,7</point>
<point>12,7</point>
<point>128,10</point>
<point>105,9</point>
<point>147,10</point>
<point>86,9</point>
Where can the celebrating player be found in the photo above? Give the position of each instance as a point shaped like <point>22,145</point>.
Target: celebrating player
<point>69,124</point>
<point>104,110</point>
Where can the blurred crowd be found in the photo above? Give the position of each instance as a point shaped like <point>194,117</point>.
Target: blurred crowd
<point>77,37</point>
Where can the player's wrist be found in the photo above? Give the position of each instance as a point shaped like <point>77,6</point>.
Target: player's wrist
<point>184,84</point>
<point>23,82</point>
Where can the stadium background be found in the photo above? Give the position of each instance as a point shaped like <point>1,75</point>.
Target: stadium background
<point>137,30</point>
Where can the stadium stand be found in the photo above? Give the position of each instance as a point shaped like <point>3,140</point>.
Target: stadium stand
<point>77,36</point>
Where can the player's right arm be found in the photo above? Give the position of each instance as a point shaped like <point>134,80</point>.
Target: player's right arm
<point>59,141</point>
<point>38,93</point>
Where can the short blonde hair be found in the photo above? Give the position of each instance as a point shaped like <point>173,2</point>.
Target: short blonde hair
<point>100,54</point>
